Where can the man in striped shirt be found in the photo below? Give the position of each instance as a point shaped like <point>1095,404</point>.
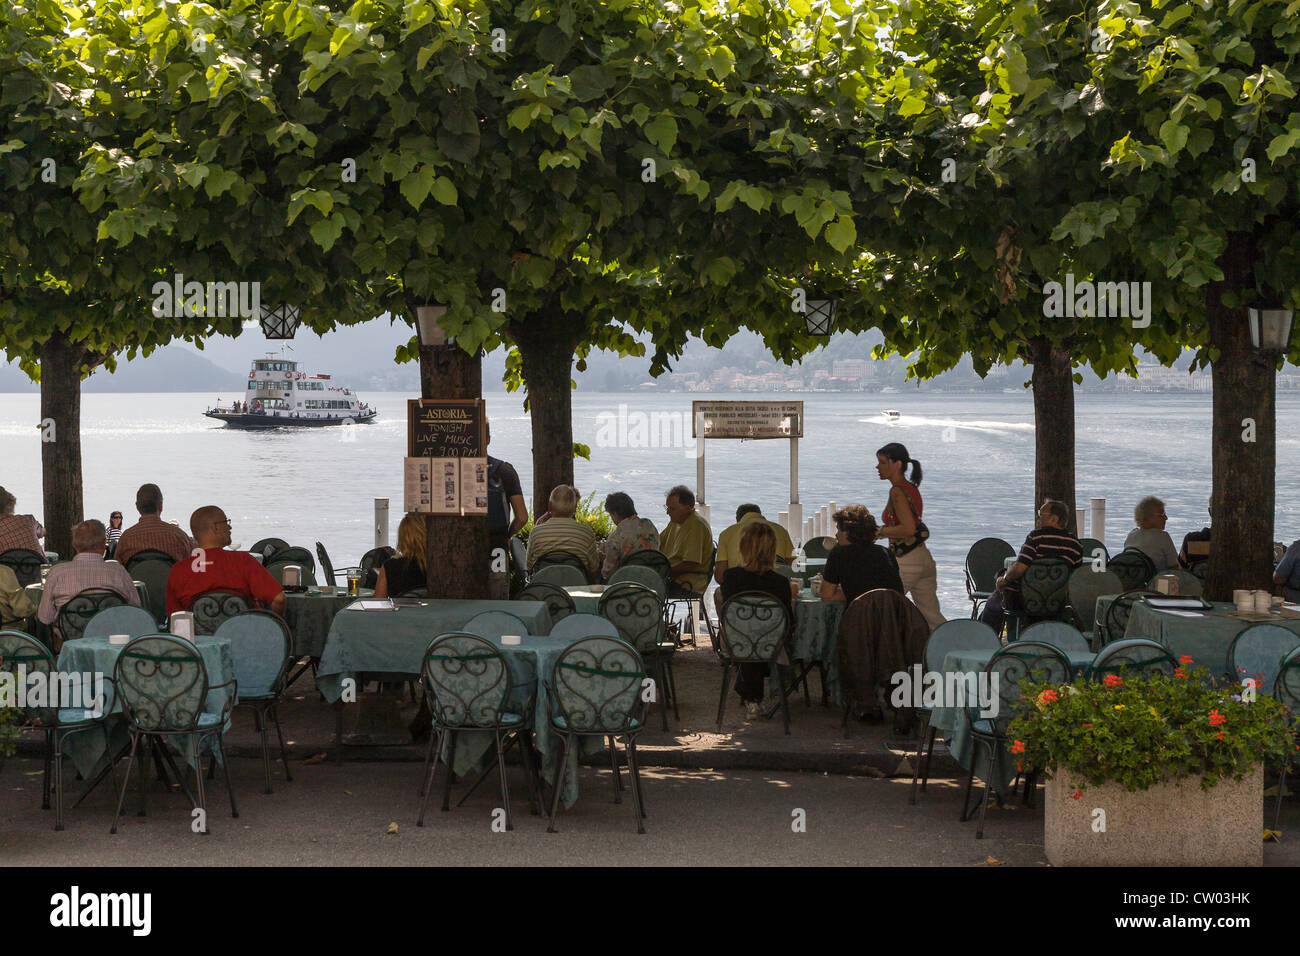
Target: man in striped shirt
<point>1051,539</point>
<point>151,533</point>
<point>562,533</point>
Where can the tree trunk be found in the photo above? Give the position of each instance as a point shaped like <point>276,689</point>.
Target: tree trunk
<point>457,547</point>
<point>1053,382</point>
<point>1244,449</point>
<point>61,363</point>
<point>546,343</point>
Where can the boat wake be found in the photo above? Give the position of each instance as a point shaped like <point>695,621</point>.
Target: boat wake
<point>990,427</point>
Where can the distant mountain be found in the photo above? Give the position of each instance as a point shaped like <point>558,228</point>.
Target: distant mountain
<point>168,369</point>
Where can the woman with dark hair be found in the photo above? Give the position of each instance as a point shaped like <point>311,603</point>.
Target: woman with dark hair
<point>906,533</point>
<point>856,564</point>
<point>114,531</point>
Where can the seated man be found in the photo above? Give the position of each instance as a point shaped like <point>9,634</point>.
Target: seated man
<point>1051,539</point>
<point>1150,536</point>
<point>18,531</point>
<point>631,533</point>
<point>562,533</point>
<point>729,540</point>
<point>85,571</point>
<point>214,568</point>
<point>1287,573</point>
<point>688,543</point>
<point>15,605</point>
<point>1196,546</point>
<point>151,533</point>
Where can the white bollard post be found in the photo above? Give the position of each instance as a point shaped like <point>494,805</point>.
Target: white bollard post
<point>381,522</point>
<point>826,518</point>
<point>783,519</point>
<point>1078,521</point>
<point>807,529</point>
<point>1098,527</point>
<point>830,512</point>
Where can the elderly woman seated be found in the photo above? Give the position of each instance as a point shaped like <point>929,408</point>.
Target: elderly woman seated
<point>1150,536</point>
<point>856,564</point>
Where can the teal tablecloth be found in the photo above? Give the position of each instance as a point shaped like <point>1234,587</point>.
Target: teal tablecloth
<point>97,655</point>
<point>309,616</point>
<point>585,599</point>
<point>816,633</point>
<point>395,641</point>
<point>953,722</point>
<point>531,663</point>
<point>1204,639</point>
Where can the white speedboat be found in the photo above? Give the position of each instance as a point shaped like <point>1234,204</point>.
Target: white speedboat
<point>891,414</point>
<point>280,395</point>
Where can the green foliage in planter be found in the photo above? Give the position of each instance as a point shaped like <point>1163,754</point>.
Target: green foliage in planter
<point>589,513</point>
<point>1140,732</point>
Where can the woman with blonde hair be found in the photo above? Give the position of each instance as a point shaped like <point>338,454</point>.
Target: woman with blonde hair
<point>405,570</point>
<point>756,573</point>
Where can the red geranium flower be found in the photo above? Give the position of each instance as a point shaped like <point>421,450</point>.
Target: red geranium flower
<point>1048,696</point>
<point>1217,718</point>
<point>1112,680</point>
<point>1087,725</point>
<point>1018,747</point>
<point>1076,795</point>
<point>1185,659</point>
<point>1178,672</point>
<point>1220,737</point>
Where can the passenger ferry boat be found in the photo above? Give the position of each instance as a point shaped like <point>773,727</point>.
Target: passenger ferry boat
<point>280,395</point>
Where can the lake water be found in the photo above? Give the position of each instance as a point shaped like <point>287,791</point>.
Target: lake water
<point>977,451</point>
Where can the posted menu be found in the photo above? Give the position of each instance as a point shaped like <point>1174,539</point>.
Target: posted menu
<point>446,486</point>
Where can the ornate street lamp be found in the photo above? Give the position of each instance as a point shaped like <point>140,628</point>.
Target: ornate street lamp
<point>1270,329</point>
<point>281,321</point>
<point>819,315</point>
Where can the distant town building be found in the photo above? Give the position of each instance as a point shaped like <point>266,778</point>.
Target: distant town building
<point>860,369</point>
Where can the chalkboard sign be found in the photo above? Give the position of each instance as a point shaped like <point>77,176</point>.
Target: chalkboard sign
<point>446,428</point>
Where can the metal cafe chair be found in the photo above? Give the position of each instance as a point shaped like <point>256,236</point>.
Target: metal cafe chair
<point>1044,594</point>
<point>1058,634</point>
<point>370,564</point>
<point>1136,656</point>
<point>1030,661</point>
<point>577,626</point>
<point>269,547</point>
<point>153,567</point>
<point>329,573</point>
<point>955,635</point>
<point>640,574</point>
<point>1133,567</point>
<point>595,691</point>
<point>985,560</point>
<point>213,608</point>
<point>689,598</point>
<point>1286,688</point>
<point>262,648</point>
<point>651,558</point>
<point>492,624</point>
<point>1117,614</point>
<point>560,574</point>
<point>753,630</point>
<point>470,687</point>
<point>122,619</point>
<point>161,685</point>
<point>1086,585</point>
<point>25,564</point>
<point>59,723</point>
<point>818,547</point>
<point>1090,548</point>
<point>557,600</point>
<point>81,608</point>
<point>1257,652</point>
<point>638,613</point>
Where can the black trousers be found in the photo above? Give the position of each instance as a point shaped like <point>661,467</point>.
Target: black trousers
<point>995,608</point>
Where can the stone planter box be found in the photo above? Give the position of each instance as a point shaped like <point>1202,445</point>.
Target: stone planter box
<point>1172,824</point>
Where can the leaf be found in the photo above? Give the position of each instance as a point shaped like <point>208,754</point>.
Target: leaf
<point>582,451</point>
<point>327,231</point>
<point>444,190</point>
<point>314,759</point>
<point>589,82</point>
<point>990,861</point>
<point>1281,145</point>
<point>912,104</point>
<point>662,132</point>
<point>392,827</point>
<point>841,234</point>
<point>1174,135</point>
<point>415,186</point>
<point>1272,836</point>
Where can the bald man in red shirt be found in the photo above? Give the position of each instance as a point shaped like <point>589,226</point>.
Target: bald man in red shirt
<point>213,568</point>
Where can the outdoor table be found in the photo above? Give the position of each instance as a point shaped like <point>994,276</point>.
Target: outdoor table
<point>811,568</point>
<point>309,615</point>
<point>953,722</point>
<point>816,636</point>
<point>95,655</point>
<point>1206,638</point>
<point>586,597</point>
<point>531,663</point>
<point>394,641</point>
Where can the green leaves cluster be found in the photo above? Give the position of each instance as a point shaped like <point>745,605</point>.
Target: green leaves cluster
<point>1151,729</point>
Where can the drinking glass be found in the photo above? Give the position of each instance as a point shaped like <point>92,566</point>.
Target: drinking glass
<point>354,583</point>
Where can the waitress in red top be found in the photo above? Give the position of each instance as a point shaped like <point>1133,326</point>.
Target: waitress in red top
<point>901,524</point>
